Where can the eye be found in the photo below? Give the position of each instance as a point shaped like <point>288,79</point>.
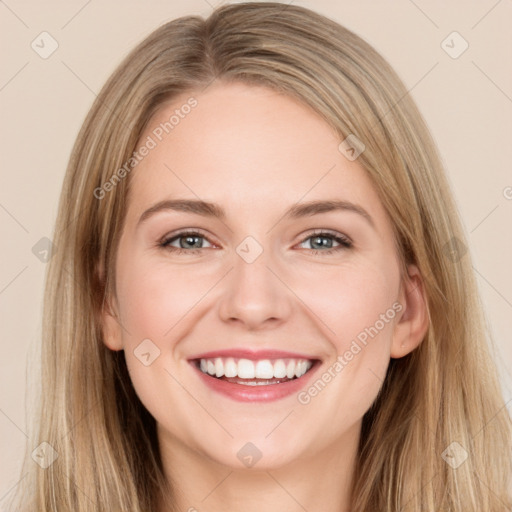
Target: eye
<point>319,238</point>
<point>189,242</point>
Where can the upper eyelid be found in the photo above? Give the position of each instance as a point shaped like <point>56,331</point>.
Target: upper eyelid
<point>197,231</point>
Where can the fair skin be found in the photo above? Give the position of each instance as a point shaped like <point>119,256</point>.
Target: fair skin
<point>256,153</point>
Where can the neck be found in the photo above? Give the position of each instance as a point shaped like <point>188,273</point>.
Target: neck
<point>315,482</point>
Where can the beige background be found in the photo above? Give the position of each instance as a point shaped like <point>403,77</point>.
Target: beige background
<point>466,101</point>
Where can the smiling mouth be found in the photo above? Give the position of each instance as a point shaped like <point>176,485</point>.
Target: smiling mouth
<point>262,372</point>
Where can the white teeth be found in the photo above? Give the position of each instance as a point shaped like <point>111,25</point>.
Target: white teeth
<point>230,367</point>
<point>264,369</point>
<point>290,369</point>
<point>260,382</point>
<point>279,369</point>
<point>219,367</point>
<point>301,368</point>
<point>248,369</point>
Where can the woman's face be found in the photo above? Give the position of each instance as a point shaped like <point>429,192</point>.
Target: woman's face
<point>249,275</point>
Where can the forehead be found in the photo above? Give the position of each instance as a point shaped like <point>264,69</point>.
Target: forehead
<point>245,147</point>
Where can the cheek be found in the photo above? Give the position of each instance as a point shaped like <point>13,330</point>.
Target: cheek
<point>353,301</point>
<point>358,309</point>
<point>154,299</point>
<point>154,303</point>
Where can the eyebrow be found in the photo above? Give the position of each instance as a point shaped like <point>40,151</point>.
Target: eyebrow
<point>300,210</point>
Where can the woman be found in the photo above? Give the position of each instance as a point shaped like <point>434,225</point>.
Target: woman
<point>319,345</point>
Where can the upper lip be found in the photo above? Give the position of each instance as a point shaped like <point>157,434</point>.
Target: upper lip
<point>254,355</point>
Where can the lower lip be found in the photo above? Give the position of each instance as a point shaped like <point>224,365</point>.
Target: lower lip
<point>263,393</point>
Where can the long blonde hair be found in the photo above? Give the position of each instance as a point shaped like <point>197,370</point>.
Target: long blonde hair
<point>437,405</point>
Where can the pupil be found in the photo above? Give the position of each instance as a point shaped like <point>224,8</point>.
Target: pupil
<point>315,239</point>
<point>191,239</point>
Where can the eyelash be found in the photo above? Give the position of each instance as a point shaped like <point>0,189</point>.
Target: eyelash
<point>344,242</point>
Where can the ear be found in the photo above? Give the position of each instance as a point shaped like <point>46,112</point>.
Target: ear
<point>412,325</point>
<point>110,326</point>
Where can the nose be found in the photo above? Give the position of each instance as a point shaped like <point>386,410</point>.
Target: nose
<point>254,294</point>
